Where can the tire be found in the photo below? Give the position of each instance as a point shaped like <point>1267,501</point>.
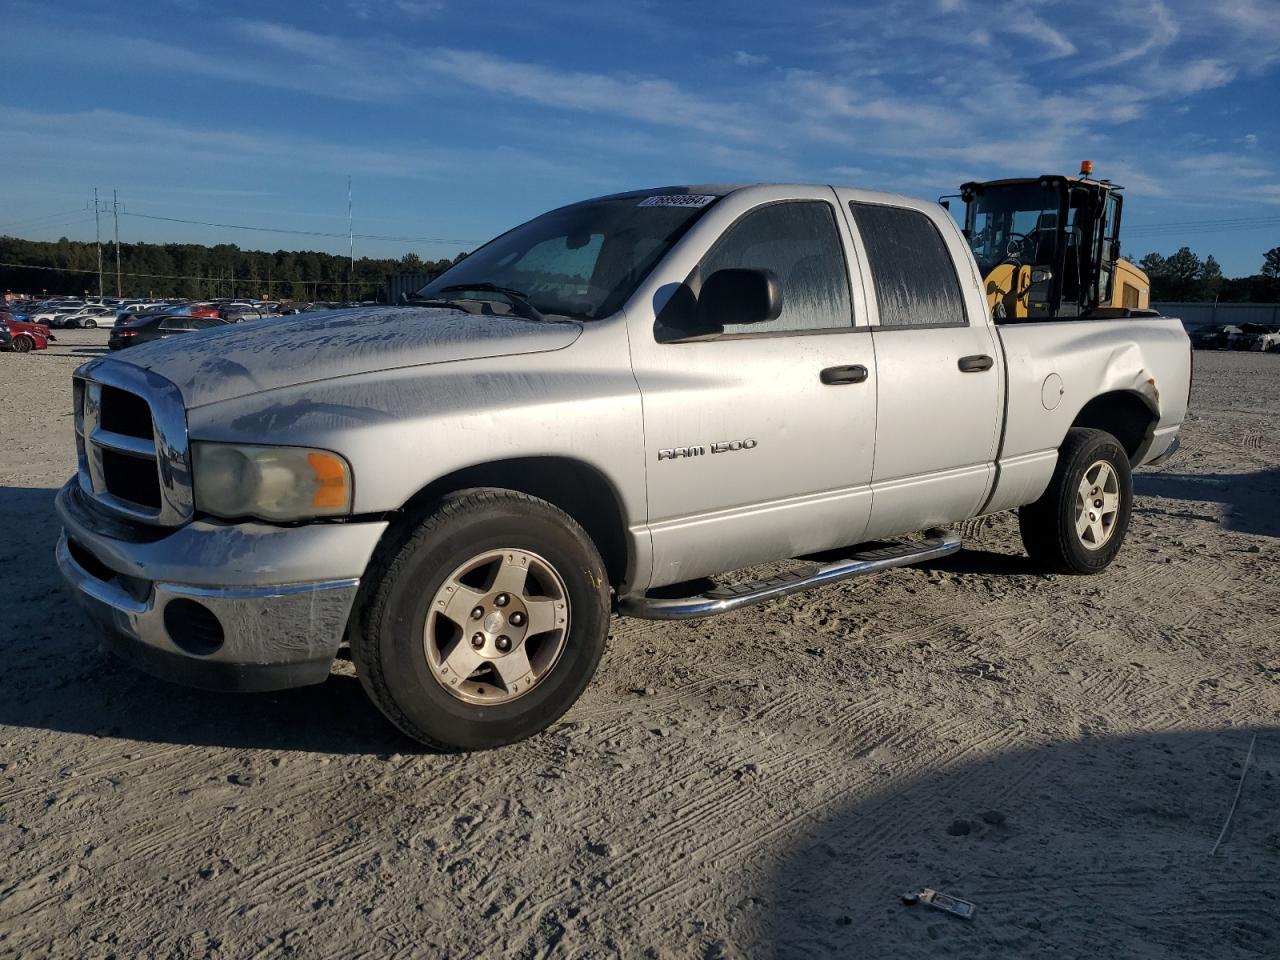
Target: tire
<point>90,324</point>
<point>405,637</point>
<point>1052,526</point>
<point>22,344</point>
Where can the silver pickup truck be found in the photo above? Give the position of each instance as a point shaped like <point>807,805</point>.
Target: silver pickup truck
<point>609,408</point>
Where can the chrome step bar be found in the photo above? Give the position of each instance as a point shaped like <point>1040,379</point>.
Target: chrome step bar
<point>724,599</point>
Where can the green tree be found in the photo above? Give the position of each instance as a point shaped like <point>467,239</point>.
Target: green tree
<point>1271,263</point>
<point>1183,276</point>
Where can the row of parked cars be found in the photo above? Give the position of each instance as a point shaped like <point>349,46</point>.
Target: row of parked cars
<point>71,313</point>
<point>1257,337</point>
<point>141,323</point>
<point>25,323</point>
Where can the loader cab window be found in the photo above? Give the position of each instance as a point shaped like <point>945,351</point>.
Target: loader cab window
<point>1014,224</point>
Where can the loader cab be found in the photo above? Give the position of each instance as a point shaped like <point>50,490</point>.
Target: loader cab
<point>1049,247</point>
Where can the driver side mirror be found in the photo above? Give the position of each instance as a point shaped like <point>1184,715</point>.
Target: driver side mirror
<point>738,296</point>
<point>1041,274</point>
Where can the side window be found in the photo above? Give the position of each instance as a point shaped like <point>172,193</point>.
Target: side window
<point>799,241</point>
<point>915,278</point>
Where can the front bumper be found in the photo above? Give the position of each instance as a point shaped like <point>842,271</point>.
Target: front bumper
<point>279,597</point>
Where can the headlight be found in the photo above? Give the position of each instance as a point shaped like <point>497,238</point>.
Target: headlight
<point>273,483</point>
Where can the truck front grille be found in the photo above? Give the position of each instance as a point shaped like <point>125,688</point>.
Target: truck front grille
<point>131,439</point>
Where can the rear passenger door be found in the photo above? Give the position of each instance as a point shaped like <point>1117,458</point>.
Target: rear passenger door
<point>940,376</point>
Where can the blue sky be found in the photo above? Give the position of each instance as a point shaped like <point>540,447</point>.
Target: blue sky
<point>459,118</point>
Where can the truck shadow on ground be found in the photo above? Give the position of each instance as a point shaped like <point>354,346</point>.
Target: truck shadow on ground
<point>57,678</point>
<point>1092,847</point>
<point>1250,501</point>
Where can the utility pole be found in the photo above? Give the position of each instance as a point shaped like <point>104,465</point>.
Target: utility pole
<point>97,235</point>
<point>351,240</point>
<point>115,210</point>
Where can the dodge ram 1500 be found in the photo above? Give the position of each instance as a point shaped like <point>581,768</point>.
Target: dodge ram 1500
<point>595,412</point>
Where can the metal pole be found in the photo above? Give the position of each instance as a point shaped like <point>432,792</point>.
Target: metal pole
<point>97,236</point>
<point>351,239</point>
<point>115,210</point>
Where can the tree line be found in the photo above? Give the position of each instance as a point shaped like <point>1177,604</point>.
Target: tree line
<point>224,270</point>
<point>1183,276</point>
<point>198,271</point>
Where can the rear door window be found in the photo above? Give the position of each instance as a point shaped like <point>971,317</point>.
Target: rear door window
<point>915,278</point>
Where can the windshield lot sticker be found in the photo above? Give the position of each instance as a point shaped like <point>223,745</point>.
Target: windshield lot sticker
<point>675,200</point>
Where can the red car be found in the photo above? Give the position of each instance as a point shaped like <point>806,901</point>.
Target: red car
<point>24,337</point>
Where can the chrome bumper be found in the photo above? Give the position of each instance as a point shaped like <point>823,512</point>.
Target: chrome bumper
<point>277,624</point>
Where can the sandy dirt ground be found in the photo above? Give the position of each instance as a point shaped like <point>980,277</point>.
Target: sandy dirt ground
<point>1061,751</point>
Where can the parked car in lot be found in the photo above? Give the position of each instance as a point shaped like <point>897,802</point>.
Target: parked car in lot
<point>23,337</point>
<point>158,326</point>
<point>133,308</point>
<point>244,312</point>
<point>594,412</point>
<point>1258,337</point>
<point>48,314</point>
<point>86,317</point>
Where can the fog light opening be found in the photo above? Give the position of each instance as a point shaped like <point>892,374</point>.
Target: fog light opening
<point>193,627</point>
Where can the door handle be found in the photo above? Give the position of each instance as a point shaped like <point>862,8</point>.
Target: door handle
<point>976,364</point>
<point>853,373</point>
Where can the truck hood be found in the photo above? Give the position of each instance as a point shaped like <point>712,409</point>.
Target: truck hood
<point>228,362</point>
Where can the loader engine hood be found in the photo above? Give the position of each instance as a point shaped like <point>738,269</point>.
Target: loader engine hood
<point>242,359</point>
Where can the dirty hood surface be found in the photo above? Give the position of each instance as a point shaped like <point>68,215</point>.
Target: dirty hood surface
<point>241,359</point>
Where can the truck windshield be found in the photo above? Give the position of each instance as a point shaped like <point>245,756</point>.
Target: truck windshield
<point>1015,224</point>
<point>581,261</point>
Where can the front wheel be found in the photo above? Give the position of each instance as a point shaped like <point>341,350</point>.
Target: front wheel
<point>90,324</point>
<point>22,344</point>
<point>1078,525</point>
<point>486,623</point>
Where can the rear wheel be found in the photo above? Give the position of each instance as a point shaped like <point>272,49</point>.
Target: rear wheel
<point>1078,525</point>
<point>90,323</point>
<point>22,344</point>
<point>486,623</point>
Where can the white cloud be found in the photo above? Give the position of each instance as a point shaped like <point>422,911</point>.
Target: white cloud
<point>744,59</point>
<point>372,9</point>
<point>648,99</point>
<point>1161,30</point>
<point>1019,18</point>
<point>1198,76</point>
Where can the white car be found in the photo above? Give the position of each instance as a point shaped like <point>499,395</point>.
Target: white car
<point>89,316</point>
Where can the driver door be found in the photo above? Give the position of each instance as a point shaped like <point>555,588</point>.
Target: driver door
<point>750,455</point>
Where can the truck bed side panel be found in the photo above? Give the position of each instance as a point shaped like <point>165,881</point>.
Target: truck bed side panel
<point>1056,368</point>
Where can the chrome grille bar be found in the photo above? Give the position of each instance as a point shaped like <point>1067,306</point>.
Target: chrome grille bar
<point>133,446</point>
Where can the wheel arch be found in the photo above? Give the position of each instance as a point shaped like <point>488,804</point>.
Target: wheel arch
<point>1126,415</point>
<point>575,487</point>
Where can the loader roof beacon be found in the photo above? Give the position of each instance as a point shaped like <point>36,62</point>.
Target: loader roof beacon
<point>1049,247</point>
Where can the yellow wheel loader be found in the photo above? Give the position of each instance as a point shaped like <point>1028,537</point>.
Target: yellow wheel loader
<point>1049,247</point>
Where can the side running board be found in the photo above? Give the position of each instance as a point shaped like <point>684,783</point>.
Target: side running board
<point>723,599</point>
